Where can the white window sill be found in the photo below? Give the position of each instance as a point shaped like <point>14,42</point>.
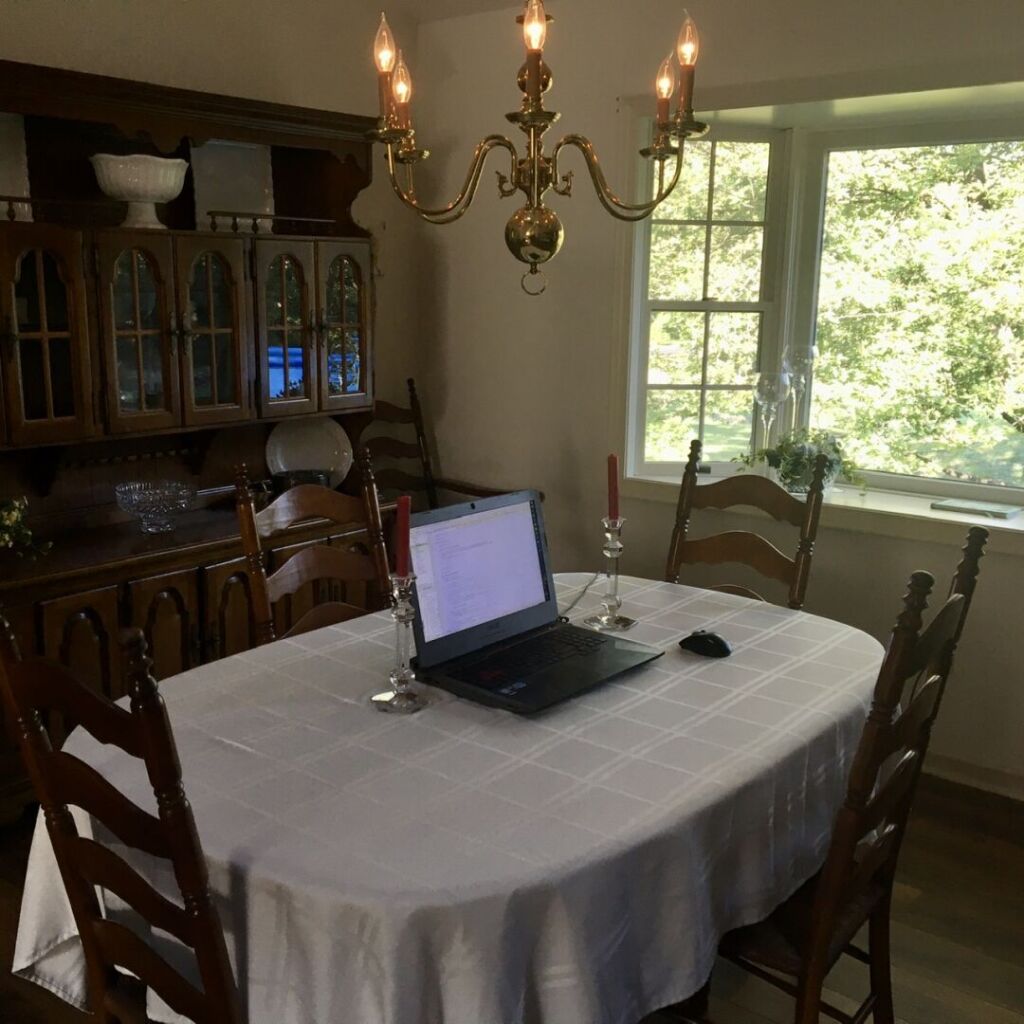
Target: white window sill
<point>887,513</point>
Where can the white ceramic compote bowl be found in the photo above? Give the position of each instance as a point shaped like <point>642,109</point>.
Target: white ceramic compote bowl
<point>141,182</point>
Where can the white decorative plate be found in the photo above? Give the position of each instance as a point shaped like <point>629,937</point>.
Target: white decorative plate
<point>310,444</point>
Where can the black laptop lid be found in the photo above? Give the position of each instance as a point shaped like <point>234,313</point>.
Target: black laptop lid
<point>482,575</point>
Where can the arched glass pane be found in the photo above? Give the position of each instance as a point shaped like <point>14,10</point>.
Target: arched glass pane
<point>272,293</point>
<point>26,294</point>
<point>199,293</point>
<point>275,364</point>
<point>153,371</point>
<point>293,293</point>
<point>353,287</point>
<point>334,291</point>
<point>129,389</point>
<point>123,293</point>
<point>226,376</point>
<point>335,362</point>
<point>56,294</point>
<point>149,311</point>
<point>353,361</point>
<point>33,381</point>
<point>202,369</point>
<point>223,314</point>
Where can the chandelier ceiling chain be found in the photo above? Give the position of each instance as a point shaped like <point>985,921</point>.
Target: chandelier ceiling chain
<point>534,233</point>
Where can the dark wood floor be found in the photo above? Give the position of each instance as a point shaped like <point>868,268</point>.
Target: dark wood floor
<point>958,937</point>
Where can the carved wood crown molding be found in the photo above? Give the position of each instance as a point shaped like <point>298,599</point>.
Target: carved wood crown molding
<point>168,114</point>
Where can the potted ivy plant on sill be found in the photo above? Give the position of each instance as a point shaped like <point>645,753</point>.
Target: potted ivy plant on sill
<point>793,457</point>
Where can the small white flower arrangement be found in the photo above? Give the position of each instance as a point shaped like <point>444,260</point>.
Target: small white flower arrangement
<point>14,534</point>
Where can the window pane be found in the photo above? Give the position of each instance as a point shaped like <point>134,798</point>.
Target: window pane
<point>735,271</point>
<point>61,377</point>
<point>921,310</point>
<point>33,380</point>
<point>732,347</point>
<point>198,294</point>
<point>123,291</point>
<point>353,361</point>
<point>275,364</point>
<point>334,290</point>
<point>741,180</point>
<point>223,314</point>
<point>272,293</point>
<point>335,361</point>
<point>296,366</point>
<point>56,296</point>
<point>728,416</point>
<point>227,376</point>
<point>677,262</point>
<point>149,311</point>
<point>676,348</point>
<point>673,421</point>
<point>26,293</point>
<point>153,371</point>
<point>689,199</point>
<point>129,390</point>
<point>202,369</point>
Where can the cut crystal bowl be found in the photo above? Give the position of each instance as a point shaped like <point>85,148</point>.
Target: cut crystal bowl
<point>155,502</point>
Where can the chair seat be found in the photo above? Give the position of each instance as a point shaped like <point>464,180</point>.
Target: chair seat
<point>777,942</point>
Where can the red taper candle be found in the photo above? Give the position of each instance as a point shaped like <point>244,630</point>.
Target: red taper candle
<point>613,486</point>
<point>402,536</point>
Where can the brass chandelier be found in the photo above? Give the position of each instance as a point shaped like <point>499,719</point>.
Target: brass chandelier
<point>534,233</point>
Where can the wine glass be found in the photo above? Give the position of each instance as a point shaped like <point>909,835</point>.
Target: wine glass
<point>798,361</point>
<point>771,391</point>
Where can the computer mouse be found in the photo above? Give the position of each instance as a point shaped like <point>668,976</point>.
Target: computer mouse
<point>706,644</point>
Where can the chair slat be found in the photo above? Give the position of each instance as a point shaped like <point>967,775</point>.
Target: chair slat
<point>102,867</point>
<point>895,788</point>
<point>871,858</point>
<point>48,686</point>
<point>907,729</point>
<point>309,501</point>
<point>737,546</point>
<point>319,563</point>
<point>937,640</point>
<point>123,947</point>
<point>80,785</point>
<point>756,491</point>
<point>392,448</point>
<point>390,479</point>
<point>388,413</point>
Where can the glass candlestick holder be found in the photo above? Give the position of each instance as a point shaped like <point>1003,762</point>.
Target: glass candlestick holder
<point>401,698</point>
<point>608,620</point>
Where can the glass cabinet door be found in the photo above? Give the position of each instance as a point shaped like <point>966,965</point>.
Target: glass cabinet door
<point>137,314</point>
<point>44,336</point>
<point>343,279</point>
<point>288,369</point>
<point>215,363</point>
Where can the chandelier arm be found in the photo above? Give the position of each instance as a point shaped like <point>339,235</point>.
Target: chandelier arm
<point>609,200</point>
<point>458,206</point>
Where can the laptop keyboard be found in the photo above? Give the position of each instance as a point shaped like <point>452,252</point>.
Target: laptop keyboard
<point>528,658</point>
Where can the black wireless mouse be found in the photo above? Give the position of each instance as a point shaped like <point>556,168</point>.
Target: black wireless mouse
<point>706,644</point>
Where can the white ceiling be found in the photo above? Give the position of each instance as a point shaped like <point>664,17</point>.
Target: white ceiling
<point>435,10</point>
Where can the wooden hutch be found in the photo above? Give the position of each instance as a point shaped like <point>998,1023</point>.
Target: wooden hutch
<point>128,354</point>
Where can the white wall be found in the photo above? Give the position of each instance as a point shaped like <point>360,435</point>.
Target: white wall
<point>314,55</point>
<point>526,391</point>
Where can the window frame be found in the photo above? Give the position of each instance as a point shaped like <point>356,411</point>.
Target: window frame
<point>770,304</point>
<point>794,235</point>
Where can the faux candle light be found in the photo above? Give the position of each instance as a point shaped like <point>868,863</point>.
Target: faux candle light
<point>613,486</point>
<point>402,535</point>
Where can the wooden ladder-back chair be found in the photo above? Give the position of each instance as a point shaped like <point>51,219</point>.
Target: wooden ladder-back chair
<point>34,688</point>
<point>366,570</point>
<point>741,546</point>
<point>799,943</point>
<point>420,477</point>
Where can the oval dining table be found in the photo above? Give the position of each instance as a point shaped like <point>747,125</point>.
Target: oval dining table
<point>468,866</point>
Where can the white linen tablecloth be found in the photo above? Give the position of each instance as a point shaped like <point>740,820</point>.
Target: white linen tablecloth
<point>467,866</point>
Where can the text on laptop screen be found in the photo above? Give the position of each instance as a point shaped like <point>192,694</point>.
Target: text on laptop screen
<point>477,568</point>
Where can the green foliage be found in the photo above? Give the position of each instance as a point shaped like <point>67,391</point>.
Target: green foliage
<point>794,456</point>
<point>14,534</point>
<point>921,309</point>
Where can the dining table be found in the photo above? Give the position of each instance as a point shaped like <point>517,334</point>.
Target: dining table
<point>465,865</point>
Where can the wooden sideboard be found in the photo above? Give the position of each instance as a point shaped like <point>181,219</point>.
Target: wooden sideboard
<point>188,591</point>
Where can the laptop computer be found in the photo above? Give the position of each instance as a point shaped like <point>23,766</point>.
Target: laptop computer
<point>487,624</point>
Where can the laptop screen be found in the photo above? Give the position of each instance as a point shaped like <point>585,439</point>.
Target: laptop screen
<point>481,575</point>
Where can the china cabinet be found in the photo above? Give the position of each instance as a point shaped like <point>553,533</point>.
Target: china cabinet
<point>165,608</point>
<point>45,338</point>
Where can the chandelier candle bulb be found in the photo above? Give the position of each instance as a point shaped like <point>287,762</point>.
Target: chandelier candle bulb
<point>613,486</point>
<point>384,53</point>
<point>664,87</point>
<point>402,535</point>
<point>401,88</point>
